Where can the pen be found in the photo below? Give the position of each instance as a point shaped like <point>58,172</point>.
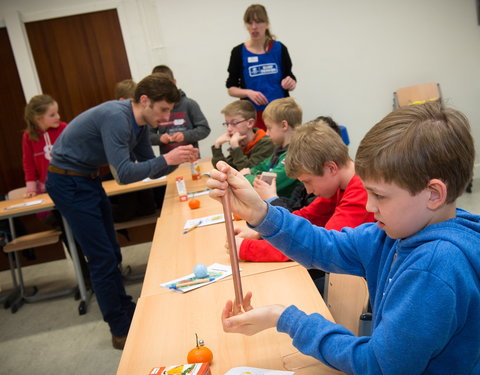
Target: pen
<point>182,284</point>
<point>192,228</point>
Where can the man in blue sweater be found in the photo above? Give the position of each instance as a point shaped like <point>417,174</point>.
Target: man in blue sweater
<point>114,133</point>
<point>421,259</point>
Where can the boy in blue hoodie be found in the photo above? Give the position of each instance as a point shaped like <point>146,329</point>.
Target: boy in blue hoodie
<point>421,259</point>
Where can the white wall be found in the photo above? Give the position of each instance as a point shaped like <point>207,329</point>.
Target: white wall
<point>348,55</point>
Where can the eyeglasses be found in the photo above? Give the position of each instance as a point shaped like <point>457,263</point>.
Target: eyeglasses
<point>233,123</point>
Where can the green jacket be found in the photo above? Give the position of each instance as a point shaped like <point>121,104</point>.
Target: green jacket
<point>262,149</point>
<point>285,184</point>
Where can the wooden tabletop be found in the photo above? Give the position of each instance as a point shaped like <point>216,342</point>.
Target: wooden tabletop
<point>175,254</point>
<point>111,188</point>
<point>164,326</point>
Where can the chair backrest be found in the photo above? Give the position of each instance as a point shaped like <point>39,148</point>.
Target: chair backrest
<point>417,94</point>
<point>17,193</point>
<point>347,299</point>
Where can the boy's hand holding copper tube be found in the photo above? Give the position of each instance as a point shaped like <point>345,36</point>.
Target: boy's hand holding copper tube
<point>244,200</point>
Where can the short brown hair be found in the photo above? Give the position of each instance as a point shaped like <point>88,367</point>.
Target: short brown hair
<point>417,143</point>
<point>285,109</point>
<point>242,108</point>
<point>125,89</point>
<point>164,69</point>
<point>313,144</point>
<point>157,87</point>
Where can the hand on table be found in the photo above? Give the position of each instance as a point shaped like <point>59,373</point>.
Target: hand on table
<point>245,202</point>
<point>252,320</point>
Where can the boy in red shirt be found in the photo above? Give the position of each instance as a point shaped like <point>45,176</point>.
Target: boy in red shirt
<point>318,158</point>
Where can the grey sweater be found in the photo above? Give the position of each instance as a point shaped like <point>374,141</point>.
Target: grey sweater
<point>108,135</point>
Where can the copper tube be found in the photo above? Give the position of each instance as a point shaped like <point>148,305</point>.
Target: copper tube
<point>237,281</point>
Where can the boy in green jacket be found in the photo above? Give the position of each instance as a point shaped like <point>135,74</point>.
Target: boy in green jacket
<point>281,117</point>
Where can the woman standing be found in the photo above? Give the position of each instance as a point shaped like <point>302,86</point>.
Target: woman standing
<point>260,69</point>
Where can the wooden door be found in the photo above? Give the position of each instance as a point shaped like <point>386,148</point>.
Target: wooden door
<point>79,59</point>
<point>11,119</point>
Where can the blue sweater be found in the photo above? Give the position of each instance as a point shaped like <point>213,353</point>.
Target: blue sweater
<point>424,291</point>
<point>108,135</point>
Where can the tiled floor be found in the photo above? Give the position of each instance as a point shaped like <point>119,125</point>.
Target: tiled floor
<point>50,337</point>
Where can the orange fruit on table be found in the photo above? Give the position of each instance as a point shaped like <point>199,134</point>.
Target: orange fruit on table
<point>193,203</point>
<point>200,354</point>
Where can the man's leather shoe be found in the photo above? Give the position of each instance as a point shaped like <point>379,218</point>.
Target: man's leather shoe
<point>118,342</point>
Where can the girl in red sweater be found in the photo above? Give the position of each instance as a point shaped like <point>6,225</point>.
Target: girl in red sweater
<point>43,129</point>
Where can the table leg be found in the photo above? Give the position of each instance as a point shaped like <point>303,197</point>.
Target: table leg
<point>84,295</point>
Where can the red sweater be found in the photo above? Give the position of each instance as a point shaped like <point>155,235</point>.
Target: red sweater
<point>345,209</point>
<point>36,155</point>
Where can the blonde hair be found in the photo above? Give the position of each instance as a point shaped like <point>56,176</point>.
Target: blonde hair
<point>417,143</point>
<point>313,144</point>
<point>241,108</point>
<point>36,107</point>
<point>125,89</point>
<point>285,109</point>
<point>258,13</point>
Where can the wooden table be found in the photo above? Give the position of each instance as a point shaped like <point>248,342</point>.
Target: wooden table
<point>111,188</point>
<point>165,321</point>
<point>175,254</point>
<point>164,326</point>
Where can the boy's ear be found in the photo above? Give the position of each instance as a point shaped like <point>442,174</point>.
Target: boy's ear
<point>284,125</point>
<point>251,123</point>
<point>331,167</point>
<point>438,193</point>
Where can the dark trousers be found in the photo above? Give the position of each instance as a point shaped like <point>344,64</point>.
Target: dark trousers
<point>85,206</point>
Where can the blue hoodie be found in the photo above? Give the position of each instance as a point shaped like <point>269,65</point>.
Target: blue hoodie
<point>424,292</point>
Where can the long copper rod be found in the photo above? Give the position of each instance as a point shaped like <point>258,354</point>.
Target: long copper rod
<point>237,281</point>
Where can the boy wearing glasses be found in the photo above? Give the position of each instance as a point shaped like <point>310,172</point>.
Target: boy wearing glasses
<point>248,146</point>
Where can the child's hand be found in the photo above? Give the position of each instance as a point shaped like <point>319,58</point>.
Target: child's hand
<point>165,138</point>
<point>238,243</point>
<point>30,194</point>
<point>257,97</point>
<point>264,189</point>
<point>245,171</point>
<point>245,202</point>
<point>224,138</point>
<point>236,138</point>
<point>177,137</point>
<point>252,320</point>
<point>246,232</point>
<point>288,83</point>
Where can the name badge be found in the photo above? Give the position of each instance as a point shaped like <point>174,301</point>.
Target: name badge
<point>252,59</point>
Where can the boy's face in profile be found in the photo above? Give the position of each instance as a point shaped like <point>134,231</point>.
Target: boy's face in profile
<point>275,132</point>
<point>321,186</point>
<point>397,212</point>
<point>238,124</point>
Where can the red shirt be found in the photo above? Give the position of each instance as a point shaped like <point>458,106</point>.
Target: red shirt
<point>345,209</point>
<point>36,154</point>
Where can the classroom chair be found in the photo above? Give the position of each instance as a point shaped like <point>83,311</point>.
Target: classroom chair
<point>347,300</point>
<point>417,94</point>
<point>20,295</point>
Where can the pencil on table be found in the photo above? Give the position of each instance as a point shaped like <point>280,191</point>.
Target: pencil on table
<point>182,284</point>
